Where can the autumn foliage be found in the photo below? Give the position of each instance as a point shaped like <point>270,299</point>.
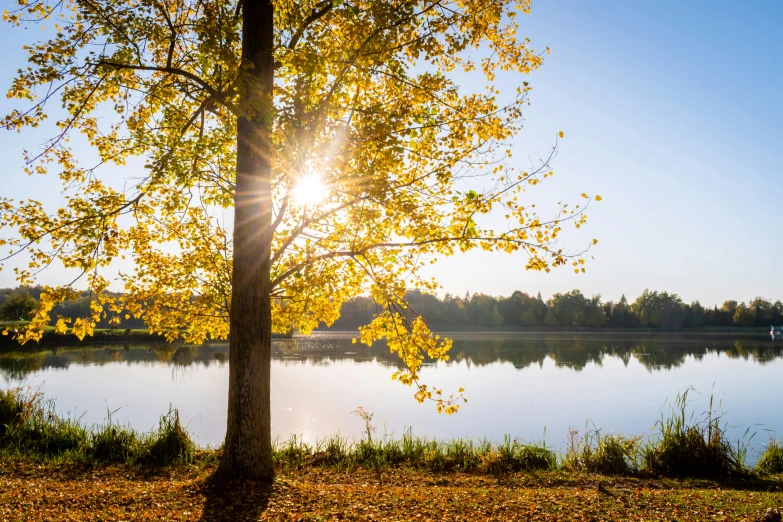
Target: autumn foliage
<point>407,165</point>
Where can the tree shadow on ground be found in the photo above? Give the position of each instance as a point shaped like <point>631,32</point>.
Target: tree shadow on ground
<point>234,500</point>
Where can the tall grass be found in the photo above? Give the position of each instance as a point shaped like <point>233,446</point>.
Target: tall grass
<point>114,443</point>
<point>599,453</point>
<point>168,443</point>
<point>423,453</point>
<point>684,445</point>
<point>771,460</point>
<point>14,407</point>
<point>30,426</point>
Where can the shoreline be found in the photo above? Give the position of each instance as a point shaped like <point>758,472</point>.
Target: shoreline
<point>137,336</point>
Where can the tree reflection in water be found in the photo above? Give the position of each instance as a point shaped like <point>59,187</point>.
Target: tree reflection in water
<point>575,351</point>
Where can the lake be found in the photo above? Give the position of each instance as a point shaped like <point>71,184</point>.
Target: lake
<point>530,386</point>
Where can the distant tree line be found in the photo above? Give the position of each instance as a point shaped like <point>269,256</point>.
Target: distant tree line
<point>570,309</point>
<point>18,304</point>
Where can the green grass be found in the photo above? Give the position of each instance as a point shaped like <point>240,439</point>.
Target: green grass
<point>14,407</point>
<point>30,426</point>
<point>687,446</point>
<point>682,447</point>
<point>168,443</point>
<point>605,454</point>
<point>417,452</point>
<point>771,460</point>
<point>112,442</point>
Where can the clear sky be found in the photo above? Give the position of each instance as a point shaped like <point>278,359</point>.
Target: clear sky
<point>673,113</point>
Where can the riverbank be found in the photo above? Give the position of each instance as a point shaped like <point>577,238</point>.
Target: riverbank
<point>30,491</point>
<point>55,468</point>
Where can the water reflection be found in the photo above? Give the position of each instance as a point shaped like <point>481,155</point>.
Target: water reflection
<point>655,353</point>
<point>517,384</point>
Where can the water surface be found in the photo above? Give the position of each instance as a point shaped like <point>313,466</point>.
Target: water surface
<point>531,386</point>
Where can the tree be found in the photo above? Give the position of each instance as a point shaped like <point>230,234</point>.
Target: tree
<point>594,314</point>
<point>743,315</point>
<point>19,305</point>
<point>497,318</point>
<point>762,311</point>
<point>695,315</point>
<point>776,314</point>
<point>727,311</point>
<point>334,129</point>
<point>660,309</point>
<point>620,314</point>
<point>529,319</point>
<point>569,307</point>
<point>480,309</point>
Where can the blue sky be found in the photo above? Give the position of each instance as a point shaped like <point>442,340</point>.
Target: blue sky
<point>672,111</point>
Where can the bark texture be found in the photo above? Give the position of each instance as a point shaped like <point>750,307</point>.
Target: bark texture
<point>248,444</point>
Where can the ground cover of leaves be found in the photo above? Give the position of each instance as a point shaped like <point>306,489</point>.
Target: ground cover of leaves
<point>30,491</point>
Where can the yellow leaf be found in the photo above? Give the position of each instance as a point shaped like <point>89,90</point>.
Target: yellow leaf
<point>584,195</point>
<point>185,293</point>
<point>598,198</point>
<point>461,390</point>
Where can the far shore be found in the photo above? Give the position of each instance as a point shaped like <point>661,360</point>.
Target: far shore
<point>135,336</point>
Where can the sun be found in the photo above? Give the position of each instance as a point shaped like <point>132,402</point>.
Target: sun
<point>309,190</point>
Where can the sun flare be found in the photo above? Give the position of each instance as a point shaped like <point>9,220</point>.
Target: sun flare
<point>309,190</point>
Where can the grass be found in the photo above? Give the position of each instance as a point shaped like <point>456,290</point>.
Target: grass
<point>56,469</point>
<point>771,460</point>
<point>14,407</point>
<point>599,453</point>
<point>684,446</point>
<point>114,443</point>
<point>411,451</point>
<point>31,427</point>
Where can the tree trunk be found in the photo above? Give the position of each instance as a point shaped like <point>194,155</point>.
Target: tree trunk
<point>248,444</point>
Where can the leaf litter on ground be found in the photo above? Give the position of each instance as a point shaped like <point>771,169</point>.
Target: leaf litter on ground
<point>31,491</point>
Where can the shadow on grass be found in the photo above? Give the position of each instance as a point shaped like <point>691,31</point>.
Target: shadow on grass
<point>234,500</point>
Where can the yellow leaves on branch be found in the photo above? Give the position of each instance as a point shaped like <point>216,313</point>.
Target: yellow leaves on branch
<point>399,165</point>
<point>411,340</point>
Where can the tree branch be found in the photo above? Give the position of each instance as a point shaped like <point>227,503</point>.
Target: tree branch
<point>314,16</point>
<point>169,70</point>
